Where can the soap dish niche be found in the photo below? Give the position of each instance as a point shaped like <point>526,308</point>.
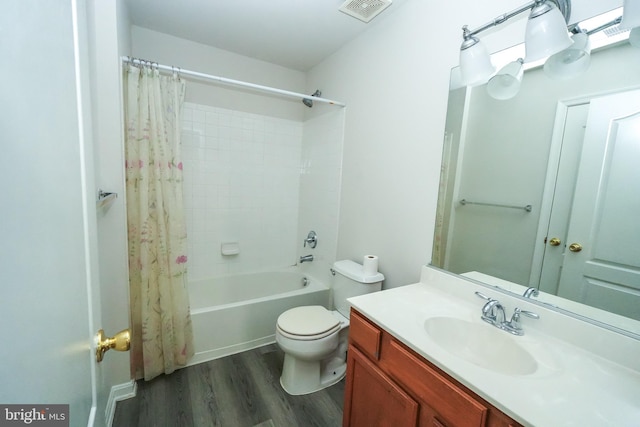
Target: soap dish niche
<point>230,248</point>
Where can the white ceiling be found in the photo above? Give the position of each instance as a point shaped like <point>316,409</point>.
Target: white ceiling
<point>296,34</point>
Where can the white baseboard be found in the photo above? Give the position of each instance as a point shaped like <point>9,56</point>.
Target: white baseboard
<point>119,392</point>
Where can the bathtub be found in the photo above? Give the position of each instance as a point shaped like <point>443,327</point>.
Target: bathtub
<point>235,313</point>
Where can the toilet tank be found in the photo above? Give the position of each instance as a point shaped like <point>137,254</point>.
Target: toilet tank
<point>350,281</point>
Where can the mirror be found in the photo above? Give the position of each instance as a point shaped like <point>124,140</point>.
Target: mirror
<point>515,192</point>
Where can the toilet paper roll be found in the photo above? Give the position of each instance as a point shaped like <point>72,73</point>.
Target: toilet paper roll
<point>370,265</point>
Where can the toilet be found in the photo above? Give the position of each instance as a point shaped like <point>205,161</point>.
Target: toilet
<point>314,339</point>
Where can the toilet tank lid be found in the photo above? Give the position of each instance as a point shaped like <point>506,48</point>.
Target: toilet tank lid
<point>355,271</point>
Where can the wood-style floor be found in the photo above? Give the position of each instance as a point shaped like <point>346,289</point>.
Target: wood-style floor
<point>242,390</point>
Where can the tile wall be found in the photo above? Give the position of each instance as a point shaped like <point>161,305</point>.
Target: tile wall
<point>241,184</point>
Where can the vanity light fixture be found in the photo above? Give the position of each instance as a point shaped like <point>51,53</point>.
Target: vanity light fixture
<point>506,83</point>
<point>572,61</point>
<point>631,15</point>
<point>546,31</point>
<point>575,60</point>
<point>634,37</point>
<point>475,62</point>
<point>546,34</point>
<point>631,21</point>
<point>546,38</point>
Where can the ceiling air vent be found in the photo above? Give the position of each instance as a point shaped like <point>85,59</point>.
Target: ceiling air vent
<point>364,10</point>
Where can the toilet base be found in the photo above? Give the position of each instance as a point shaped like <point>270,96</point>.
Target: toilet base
<point>304,377</point>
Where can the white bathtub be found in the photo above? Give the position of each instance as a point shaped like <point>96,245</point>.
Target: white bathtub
<point>231,314</point>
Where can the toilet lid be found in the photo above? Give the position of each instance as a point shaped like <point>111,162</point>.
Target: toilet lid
<point>308,320</point>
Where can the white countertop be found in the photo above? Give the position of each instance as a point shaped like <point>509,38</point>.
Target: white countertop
<point>586,375</point>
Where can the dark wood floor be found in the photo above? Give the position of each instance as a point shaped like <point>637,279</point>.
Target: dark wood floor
<point>242,390</point>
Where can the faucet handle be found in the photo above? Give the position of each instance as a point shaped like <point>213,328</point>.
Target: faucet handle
<point>513,325</point>
<point>483,296</point>
<point>312,240</point>
<point>531,314</point>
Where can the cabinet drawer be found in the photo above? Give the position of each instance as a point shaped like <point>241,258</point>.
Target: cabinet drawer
<point>454,405</point>
<point>364,335</point>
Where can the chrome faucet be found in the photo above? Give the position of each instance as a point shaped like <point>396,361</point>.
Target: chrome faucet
<point>306,258</point>
<point>493,313</point>
<point>531,292</point>
<point>312,240</point>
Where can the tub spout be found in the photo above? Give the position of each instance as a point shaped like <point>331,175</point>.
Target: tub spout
<point>306,258</point>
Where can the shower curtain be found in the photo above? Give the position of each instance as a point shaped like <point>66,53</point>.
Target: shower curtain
<point>162,337</point>
<point>439,238</point>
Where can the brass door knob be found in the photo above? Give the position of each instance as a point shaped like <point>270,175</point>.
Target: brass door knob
<point>555,241</point>
<point>575,247</point>
<point>119,342</point>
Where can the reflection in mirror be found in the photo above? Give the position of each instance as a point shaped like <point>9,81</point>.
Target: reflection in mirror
<point>570,150</point>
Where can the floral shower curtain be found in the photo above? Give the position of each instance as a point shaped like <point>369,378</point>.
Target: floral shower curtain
<point>162,338</point>
<point>439,238</point>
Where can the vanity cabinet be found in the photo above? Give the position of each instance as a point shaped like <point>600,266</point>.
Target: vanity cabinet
<point>388,384</point>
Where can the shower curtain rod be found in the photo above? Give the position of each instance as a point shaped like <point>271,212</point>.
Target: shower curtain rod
<point>227,81</point>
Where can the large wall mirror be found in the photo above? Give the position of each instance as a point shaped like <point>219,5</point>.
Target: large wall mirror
<point>543,190</point>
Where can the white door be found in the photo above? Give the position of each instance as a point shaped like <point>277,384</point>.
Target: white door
<point>602,268</point>
<point>564,189</point>
<point>47,214</point>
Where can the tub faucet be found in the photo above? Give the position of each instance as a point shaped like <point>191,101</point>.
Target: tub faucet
<point>306,258</point>
<point>531,292</point>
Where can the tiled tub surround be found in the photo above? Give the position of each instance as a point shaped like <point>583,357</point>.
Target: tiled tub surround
<point>241,185</point>
<point>242,181</point>
<point>586,376</point>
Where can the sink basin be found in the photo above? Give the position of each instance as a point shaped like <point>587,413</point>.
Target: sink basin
<point>481,344</point>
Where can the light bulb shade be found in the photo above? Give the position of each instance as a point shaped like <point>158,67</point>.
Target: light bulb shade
<point>475,64</point>
<point>546,32</point>
<point>572,61</point>
<point>630,15</point>
<point>634,37</point>
<point>506,83</point>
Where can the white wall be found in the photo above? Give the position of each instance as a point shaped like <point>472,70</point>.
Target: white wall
<point>320,176</point>
<point>395,89</point>
<point>394,79</point>
<point>170,50</point>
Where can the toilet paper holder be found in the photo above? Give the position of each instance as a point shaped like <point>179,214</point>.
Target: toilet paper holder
<point>312,240</point>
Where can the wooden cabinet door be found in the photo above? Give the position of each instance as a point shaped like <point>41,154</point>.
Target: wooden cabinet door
<point>453,405</point>
<point>374,400</point>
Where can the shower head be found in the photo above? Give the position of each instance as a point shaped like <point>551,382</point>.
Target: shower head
<point>308,102</point>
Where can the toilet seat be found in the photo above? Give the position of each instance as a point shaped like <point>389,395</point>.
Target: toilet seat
<point>307,323</point>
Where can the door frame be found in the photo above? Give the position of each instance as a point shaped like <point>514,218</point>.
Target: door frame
<point>79,22</point>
